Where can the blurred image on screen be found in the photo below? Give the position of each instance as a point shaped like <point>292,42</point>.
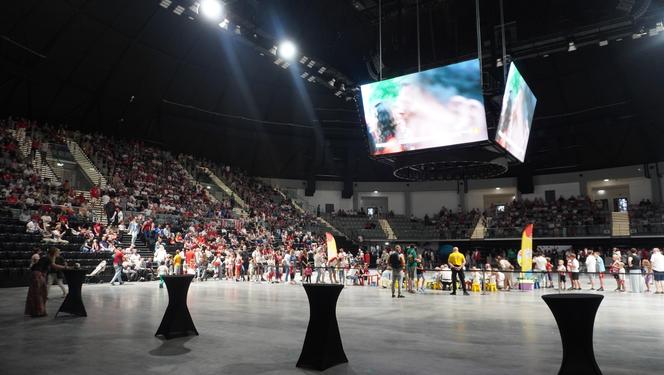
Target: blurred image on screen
<point>434,108</point>
<point>516,115</point>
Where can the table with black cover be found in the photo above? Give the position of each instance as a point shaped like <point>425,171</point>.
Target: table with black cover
<point>73,303</point>
<point>177,320</point>
<point>575,316</point>
<point>322,347</point>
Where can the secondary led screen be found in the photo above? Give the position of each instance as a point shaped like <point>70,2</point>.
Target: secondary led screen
<point>434,108</point>
<point>516,115</point>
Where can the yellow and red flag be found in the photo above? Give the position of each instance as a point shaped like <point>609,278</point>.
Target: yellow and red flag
<point>331,246</point>
<point>525,257</point>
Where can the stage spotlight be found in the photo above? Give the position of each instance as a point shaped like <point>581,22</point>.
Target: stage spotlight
<point>606,180</point>
<point>224,24</point>
<point>499,62</point>
<point>287,50</point>
<point>571,47</point>
<point>60,164</point>
<point>497,188</point>
<point>211,9</point>
<point>603,43</point>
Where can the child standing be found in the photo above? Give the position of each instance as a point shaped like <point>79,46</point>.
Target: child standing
<point>419,285</point>
<point>621,277</point>
<point>307,273</point>
<point>562,282</point>
<point>162,271</point>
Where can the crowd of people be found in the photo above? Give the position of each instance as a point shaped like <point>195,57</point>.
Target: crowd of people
<point>269,239</point>
<point>559,218</point>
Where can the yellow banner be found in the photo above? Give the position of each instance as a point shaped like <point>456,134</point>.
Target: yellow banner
<point>331,246</point>
<point>525,257</point>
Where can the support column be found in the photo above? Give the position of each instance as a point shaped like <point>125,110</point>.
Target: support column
<point>461,191</point>
<point>655,183</point>
<point>583,185</point>
<point>408,203</point>
<point>356,200</point>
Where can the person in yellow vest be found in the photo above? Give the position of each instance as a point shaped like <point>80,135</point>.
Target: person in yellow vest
<point>457,261</point>
<point>177,263</point>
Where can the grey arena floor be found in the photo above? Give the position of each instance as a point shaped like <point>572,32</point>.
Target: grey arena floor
<point>248,328</point>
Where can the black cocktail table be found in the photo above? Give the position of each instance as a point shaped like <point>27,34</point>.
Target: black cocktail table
<point>322,347</point>
<point>177,320</point>
<point>73,303</point>
<point>575,316</point>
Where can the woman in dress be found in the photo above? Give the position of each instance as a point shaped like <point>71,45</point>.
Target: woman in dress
<point>35,304</point>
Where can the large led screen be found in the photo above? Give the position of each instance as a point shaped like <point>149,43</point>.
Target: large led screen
<point>434,108</point>
<point>516,115</point>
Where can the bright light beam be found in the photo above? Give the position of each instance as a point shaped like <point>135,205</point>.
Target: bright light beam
<point>211,9</point>
<point>287,50</point>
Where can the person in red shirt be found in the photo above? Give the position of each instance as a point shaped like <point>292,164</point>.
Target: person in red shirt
<point>118,258</point>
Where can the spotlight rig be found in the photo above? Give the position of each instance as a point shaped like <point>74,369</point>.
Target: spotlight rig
<point>283,53</point>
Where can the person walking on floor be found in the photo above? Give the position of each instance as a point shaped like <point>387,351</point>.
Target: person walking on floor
<point>397,264</point>
<point>657,264</point>
<point>118,258</point>
<point>457,261</point>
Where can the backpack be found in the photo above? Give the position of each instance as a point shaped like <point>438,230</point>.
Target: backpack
<point>395,262</point>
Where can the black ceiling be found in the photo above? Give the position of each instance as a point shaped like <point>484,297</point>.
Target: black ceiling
<point>132,68</point>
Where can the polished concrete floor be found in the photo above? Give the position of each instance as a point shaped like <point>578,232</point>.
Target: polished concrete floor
<point>248,328</point>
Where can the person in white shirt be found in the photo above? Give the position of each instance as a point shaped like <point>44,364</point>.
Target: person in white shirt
<point>591,268</point>
<point>540,269</point>
<point>657,263</point>
<point>133,230</point>
<point>573,268</point>
<point>319,264</point>
<point>162,271</point>
<point>32,227</point>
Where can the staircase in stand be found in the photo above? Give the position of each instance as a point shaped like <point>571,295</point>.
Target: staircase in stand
<point>387,228</point>
<point>24,142</point>
<point>86,164</point>
<point>217,181</point>
<point>620,224</point>
<point>44,169</point>
<point>140,245</point>
<point>194,182</point>
<point>324,223</point>
<point>96,208</point>
<point>480,229</point>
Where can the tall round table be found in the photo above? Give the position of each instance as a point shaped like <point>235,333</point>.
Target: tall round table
<point>322,346</point>
<point>73,303</point>
<point>575,316</point>
<point>177,321</point>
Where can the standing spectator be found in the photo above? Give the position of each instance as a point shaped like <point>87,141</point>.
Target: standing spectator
<point>397,264</point>
<point>177,263</point>
<point>319,261</point>
<point>457,261</point>
<point>573,269</point>
<point>411,266</point>
<point>35,303</point>
<point>133,230</point>
<point>601,269</point>
<point>591,268</point>
<point>118,259</point>
<point>507,268</point>
<point>162,271</point>
<point>562,283</point>
<point>657,263</point>
<point>634,268</point>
